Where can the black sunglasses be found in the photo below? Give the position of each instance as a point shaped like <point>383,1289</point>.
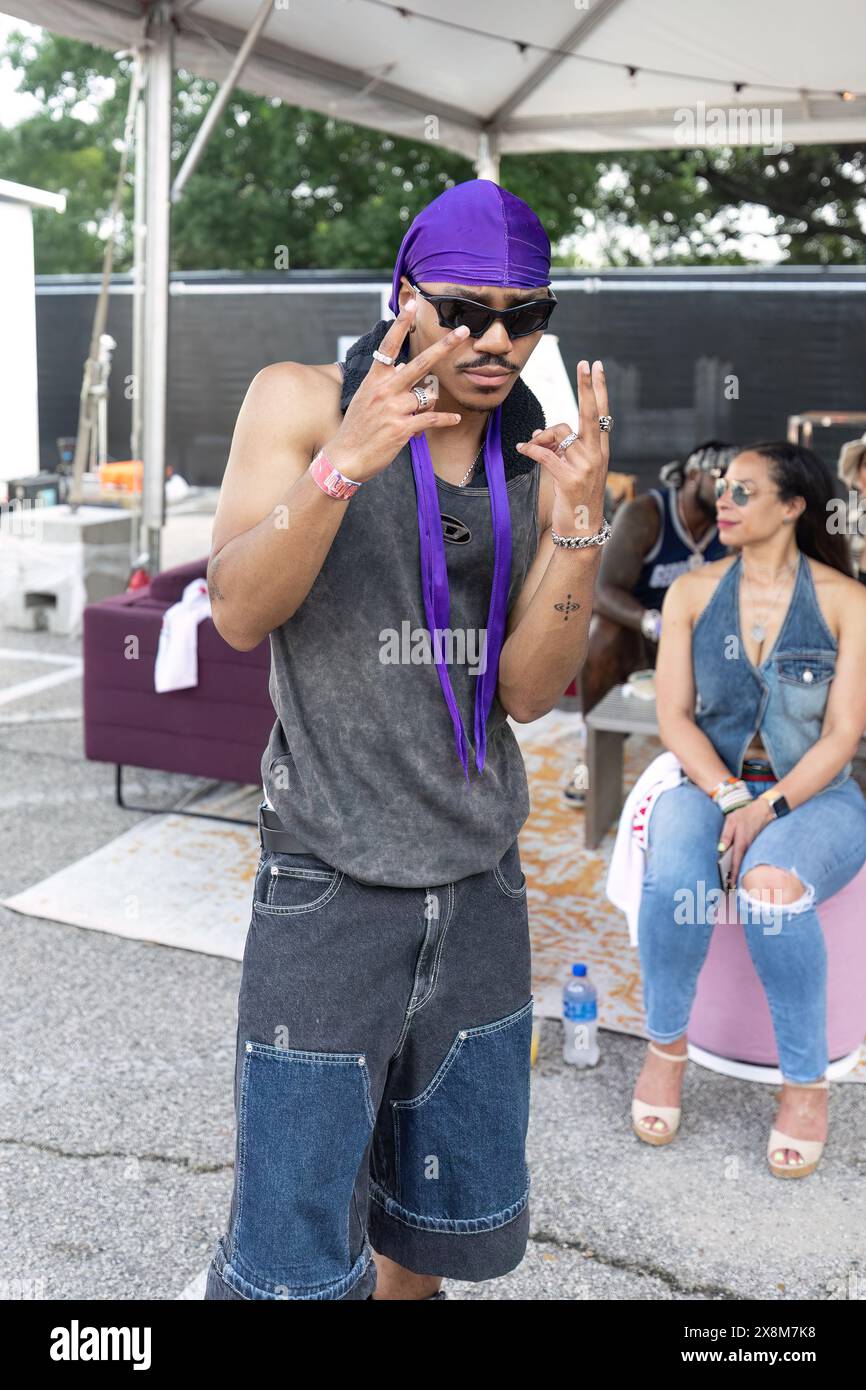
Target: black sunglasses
<point>520,320</point>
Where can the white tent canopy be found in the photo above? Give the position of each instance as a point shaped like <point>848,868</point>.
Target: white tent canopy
<point>458,61</point>
<point>483,77</point>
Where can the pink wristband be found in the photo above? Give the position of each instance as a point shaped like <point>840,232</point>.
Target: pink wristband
<point>330,479</point>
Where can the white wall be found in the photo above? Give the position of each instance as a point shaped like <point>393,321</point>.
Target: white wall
<point>19,418</point>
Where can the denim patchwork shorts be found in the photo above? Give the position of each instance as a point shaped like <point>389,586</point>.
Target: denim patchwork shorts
<point>381,1082</point>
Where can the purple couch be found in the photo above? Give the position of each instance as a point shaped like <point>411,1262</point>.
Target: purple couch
<point>218,730</point>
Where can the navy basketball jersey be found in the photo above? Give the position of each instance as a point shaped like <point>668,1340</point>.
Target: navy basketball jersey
<point>674,551</point>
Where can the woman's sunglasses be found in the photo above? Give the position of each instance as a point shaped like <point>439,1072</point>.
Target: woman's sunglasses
<point>740,492</point>
<point>520,320</point>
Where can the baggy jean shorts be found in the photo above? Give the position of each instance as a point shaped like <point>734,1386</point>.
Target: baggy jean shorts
<point>381,1082</point>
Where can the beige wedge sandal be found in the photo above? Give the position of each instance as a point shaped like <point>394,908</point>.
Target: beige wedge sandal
<point>810,1150</point>
<point>643,1109</point>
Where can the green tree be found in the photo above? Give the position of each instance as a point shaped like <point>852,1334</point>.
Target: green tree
<point>336,195</point>
<point>814,194</point>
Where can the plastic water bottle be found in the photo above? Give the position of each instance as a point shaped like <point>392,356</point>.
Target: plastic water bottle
<point>580,1019</point>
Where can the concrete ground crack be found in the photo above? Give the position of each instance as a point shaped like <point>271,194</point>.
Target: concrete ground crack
<point>189,1164</point>
<point>649,1271</point>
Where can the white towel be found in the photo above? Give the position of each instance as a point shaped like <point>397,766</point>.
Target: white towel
<point>176,665</point>
<point>628,861</point>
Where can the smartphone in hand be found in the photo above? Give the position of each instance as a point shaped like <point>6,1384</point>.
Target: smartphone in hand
<point>726,859</point>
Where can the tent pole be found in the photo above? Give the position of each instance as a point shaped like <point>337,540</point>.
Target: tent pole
<point>487,158</point>
<point>220,101</point>
<point>160,79</point>
<point>138,245</point>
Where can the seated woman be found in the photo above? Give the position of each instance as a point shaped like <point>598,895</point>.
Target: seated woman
<point>761,698</point>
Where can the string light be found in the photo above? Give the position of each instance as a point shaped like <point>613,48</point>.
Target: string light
<point>523,47</point>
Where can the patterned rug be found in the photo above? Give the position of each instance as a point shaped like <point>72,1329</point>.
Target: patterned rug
<point>147,884</point>
<point>570,917</point>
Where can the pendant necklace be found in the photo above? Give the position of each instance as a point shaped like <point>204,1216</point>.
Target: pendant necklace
<point>697,557</point>
<point>758,630</point>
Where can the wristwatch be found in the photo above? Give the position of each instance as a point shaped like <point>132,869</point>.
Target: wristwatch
<point>330,479</point>
<point>651,624</point>
<point>776,802</point>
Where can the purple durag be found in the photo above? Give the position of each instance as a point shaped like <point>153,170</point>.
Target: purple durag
<point>473,234</point>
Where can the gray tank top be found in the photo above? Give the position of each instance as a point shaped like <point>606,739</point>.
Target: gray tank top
<point>361,764</point>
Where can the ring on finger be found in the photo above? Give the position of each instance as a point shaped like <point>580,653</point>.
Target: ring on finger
<point>423,399</point>
<point>605,422</point>
<point>564,443</point>
<point>383,358</point>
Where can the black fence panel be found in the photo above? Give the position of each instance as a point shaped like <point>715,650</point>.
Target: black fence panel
<point>690,354</point>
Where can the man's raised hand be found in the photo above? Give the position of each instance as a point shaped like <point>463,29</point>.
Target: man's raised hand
<point>383,414</point>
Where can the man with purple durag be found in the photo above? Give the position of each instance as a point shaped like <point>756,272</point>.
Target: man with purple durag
<point>420,548</point>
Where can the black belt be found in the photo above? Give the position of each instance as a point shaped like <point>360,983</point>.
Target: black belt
<point>274,836</point>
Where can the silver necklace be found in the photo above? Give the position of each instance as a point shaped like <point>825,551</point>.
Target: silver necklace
<point>697,557</point>
<point>758,629</point>
<point>471,469</point>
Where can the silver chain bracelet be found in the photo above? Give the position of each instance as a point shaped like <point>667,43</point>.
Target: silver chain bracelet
<point>580,542</point>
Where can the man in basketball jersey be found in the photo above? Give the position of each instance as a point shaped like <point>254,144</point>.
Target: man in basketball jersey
<point>421,550</point>
<point>655,538</point>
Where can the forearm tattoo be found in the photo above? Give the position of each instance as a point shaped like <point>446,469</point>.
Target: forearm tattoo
<point>566,607</point>
<point>213,588</point>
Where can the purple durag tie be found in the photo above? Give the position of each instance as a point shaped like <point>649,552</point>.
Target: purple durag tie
<point>434,580</point>
<point>475,233</point>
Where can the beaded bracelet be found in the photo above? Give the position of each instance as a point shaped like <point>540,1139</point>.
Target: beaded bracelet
<point>731,794</point>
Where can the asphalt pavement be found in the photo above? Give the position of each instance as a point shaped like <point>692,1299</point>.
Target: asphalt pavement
<point>117,1123</point>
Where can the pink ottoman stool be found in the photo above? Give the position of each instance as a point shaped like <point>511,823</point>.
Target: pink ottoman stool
<point>730,1029</point>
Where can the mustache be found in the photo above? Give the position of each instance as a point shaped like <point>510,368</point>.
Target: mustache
<point>474,366</point>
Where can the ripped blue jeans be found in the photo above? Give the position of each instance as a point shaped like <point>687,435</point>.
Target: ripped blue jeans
<point>822,843</point>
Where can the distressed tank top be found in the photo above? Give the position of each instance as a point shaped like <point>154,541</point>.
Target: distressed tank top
<point>361,765</point>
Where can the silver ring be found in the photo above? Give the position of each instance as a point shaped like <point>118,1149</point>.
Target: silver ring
<point>605,422</point>
<point>383,358</point>
<point>569,439</point>
<point>423,399</point>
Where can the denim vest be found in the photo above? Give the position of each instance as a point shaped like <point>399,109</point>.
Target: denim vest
<point>785,697</point>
